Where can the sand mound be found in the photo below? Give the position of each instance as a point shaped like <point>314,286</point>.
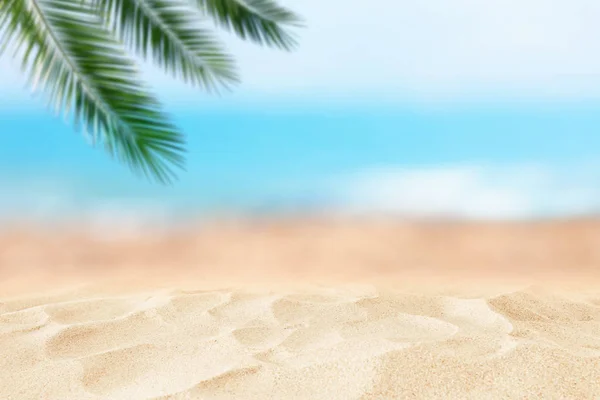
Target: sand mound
<point>306,312</point>
<point>310,343</point>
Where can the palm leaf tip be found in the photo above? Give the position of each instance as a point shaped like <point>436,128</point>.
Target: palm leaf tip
<point>262,21</point>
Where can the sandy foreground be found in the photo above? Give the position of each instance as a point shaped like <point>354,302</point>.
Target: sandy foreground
<point>301,309</point>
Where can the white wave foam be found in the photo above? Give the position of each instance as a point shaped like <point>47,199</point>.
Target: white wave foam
<point>472,191</point>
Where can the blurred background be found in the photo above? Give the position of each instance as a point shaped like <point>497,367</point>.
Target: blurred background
<point>435,109</point>
<point>387,111</point>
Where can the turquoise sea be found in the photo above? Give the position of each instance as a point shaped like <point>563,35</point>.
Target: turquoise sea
<point>261,159</point>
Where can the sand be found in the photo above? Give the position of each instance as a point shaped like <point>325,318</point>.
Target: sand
<point>303,309</point>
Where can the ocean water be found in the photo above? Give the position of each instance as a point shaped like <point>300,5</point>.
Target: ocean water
<point>494,161</point>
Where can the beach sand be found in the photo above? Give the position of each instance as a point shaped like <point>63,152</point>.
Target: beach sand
<point>303,309</point>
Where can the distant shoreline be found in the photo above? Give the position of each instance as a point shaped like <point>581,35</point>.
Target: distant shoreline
<point>380,251</point>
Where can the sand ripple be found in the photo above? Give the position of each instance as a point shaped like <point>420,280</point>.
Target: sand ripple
<point>314,343</point>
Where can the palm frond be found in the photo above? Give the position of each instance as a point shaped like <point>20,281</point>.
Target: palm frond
<point>262,21</point>
<point>18,29</point>
<point>67,51</point>
<point>171,32</point>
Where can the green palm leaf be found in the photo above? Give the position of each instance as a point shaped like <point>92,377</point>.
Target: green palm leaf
<point>262,21</point>
<point>80,66</point>
<point>172,32</point>
<point>72,50</point>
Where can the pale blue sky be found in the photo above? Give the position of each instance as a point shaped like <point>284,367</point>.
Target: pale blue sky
<point>480,109</point>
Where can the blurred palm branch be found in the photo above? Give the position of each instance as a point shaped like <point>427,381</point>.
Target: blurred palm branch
<point>80,54</point>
